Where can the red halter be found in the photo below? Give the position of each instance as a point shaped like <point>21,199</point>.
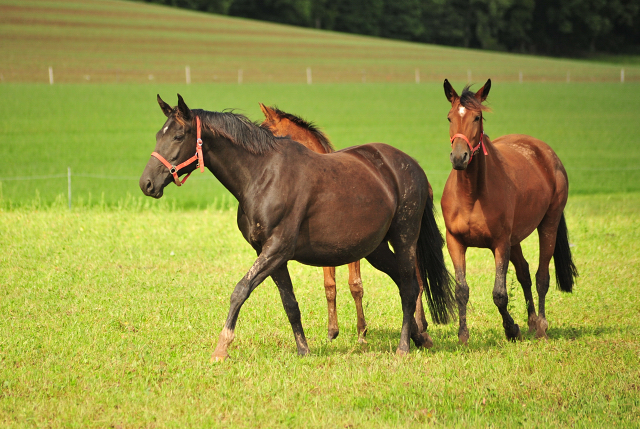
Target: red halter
<point>198,156</point>
<point>473,149</point>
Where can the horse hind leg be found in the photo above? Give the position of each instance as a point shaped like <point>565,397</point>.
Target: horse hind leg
<point>330,292</point>
<point>524,278</point>
<point>547,232</point>
<point>421,319</point>
<point>385,260</point>
<point>357,292</point>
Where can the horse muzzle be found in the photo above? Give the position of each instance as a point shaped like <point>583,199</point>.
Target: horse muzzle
<point>460,161</point>
<point>148,188</point>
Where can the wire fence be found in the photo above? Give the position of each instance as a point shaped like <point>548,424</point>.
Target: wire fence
<point>69,176</point>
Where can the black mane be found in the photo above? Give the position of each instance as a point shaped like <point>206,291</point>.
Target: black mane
<point>240,130</point>
<point>310,126</point>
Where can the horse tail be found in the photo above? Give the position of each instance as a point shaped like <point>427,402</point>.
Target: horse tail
<point>438,290</point>
<point>566,271</point>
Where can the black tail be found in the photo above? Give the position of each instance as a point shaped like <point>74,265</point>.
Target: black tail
<point>566,271</point>
<point>438,290</point>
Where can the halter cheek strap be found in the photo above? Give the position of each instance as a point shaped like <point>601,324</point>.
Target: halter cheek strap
<point>473,149</point>
<point>197,157</point>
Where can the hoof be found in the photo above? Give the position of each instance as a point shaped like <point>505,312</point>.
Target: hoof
<point>463,337</point>
<point>533,323</point>
<point>541,329</point>
<point>303,352</point>
<point>221,358</point>
<point>515,334</point>
<point>333,335</point>
<point>362,340</point>
<point>400,352</point>
<point>427,342</point>
<point>362,335</point>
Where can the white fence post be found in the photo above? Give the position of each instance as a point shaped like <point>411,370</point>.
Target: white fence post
<point>50,75</point>
<point>187,72</point>
<point>308,75</point>
<point>568,76</point>
<point>239,76</point>
<point>622,76</point>
<point>417,76</point>
<point>520,76</point>
<point>69,184</point>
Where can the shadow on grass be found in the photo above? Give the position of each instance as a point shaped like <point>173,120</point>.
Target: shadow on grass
<point>445,340</point>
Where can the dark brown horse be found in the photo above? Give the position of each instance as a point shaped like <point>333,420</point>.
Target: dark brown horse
<point>497,194</point>
<point>295,204</point>
<point>283,124</point>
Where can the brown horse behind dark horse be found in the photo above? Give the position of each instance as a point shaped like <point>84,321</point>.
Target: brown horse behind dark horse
<point>497,194</point>
<point>284,124</point>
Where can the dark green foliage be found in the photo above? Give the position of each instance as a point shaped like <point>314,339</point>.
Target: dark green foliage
<point>550,27</point>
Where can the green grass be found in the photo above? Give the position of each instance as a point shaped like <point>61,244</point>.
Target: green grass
<point>109,131</point>
<point>109,318</point>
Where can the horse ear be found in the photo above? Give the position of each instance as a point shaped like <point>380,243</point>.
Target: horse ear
<point>269,113</point>
<point>483,92</point>
<point>183,110</point>
<point>165,107</point>
<point>451,93</point>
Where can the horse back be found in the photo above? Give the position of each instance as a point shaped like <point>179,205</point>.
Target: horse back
<point>529,160</point>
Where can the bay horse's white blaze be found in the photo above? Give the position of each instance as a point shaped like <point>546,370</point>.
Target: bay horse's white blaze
<point>462,111</point>
<point>165,130</point>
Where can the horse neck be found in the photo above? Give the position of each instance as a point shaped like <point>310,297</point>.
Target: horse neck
<point>304,137</point>
<point>474,180</point>
<point>236,168</point>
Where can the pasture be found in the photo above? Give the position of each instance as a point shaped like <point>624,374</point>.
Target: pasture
<point>110,310</point>
<point>110,317</point>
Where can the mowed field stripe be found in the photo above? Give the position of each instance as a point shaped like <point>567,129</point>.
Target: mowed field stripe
<point>120,41</point>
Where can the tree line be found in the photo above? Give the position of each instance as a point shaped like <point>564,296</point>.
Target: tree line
<point>549,27</point>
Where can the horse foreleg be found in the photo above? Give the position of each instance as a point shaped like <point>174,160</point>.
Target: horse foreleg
<point>524,278</point>
<point>458,251</point>
<point>330,292</point>
<point>500,296</point>
<point>282,279</point>
<point>357,291</point>
<point>261,268</point>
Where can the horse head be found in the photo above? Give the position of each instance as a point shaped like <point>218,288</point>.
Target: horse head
<point>465,118</point>
<point>176,143</point>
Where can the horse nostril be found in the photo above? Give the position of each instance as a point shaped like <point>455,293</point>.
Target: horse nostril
<point>465,156</point>
<point>149,186</point>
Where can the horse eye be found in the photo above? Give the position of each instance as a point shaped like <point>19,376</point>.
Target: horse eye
<point>449,119</point>
<point>178,137</point>
<point>476,119</point>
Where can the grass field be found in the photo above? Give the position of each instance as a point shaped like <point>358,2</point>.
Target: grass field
<point>109,312</point>
<point>109,131</point>
<point>109,318</point>
<point>120,41</point>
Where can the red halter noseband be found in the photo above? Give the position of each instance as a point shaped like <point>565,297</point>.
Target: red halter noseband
<point>198,156</point>
<point>473,149</point>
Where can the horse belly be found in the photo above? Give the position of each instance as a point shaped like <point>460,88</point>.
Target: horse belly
<point>343,235</point>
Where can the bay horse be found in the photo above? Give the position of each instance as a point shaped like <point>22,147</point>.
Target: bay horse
<point>497,193</point>
<point>295,204</point>
<point>283,124</point>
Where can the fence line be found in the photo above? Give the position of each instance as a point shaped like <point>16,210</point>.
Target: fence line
<point>397,74</point>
